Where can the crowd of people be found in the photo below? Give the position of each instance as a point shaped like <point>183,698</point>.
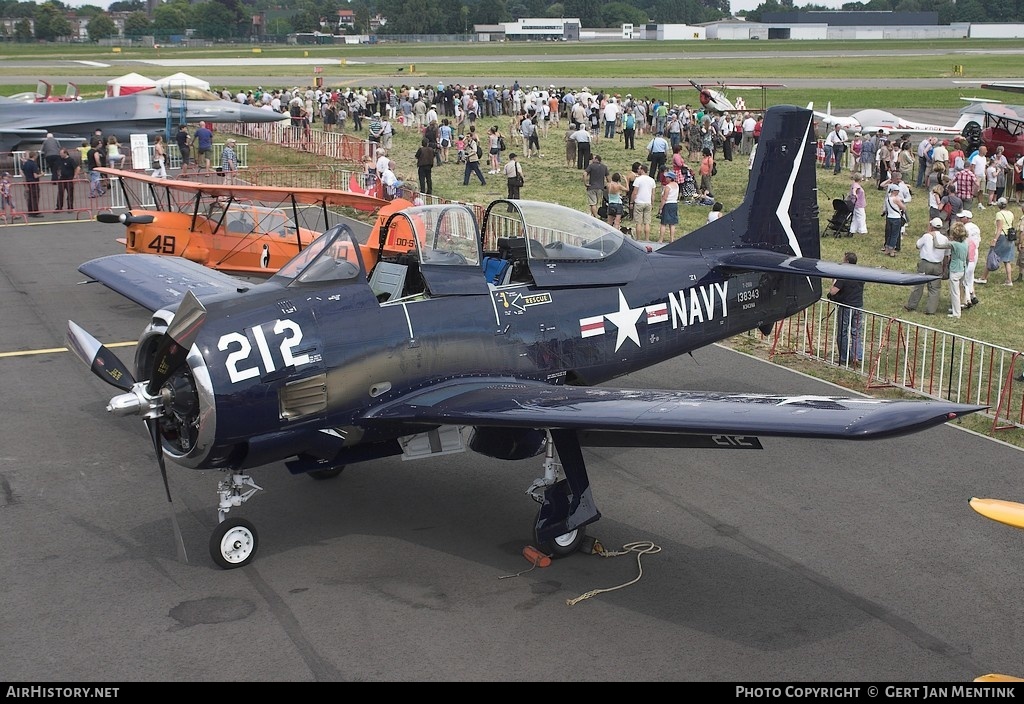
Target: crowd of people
<point>681,142</point>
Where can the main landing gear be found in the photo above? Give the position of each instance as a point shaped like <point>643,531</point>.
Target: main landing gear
<point>564,494</point>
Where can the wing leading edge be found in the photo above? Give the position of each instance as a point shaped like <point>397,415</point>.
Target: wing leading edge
<point>503,402</point>
<point>155,282</point>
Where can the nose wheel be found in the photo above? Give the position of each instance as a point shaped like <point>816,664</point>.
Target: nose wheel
<point>233,543</point>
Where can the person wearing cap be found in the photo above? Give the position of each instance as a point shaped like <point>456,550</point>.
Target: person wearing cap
<point>930,246</point>
<point>973,247</point>
<point>669,212</point>
<point>376,128</point>
<point>1005,239</point>
<point>229,162</point>
<point>940,154</point>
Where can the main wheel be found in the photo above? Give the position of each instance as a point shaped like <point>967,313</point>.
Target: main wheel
<point>562,545</point>
<point>233,543</point>
<point>321,474</point>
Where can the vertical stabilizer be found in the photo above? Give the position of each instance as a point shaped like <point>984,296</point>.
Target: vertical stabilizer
<point>780,209</point>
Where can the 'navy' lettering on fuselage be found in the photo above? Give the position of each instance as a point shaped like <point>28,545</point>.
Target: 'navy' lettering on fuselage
<point>700,304</point>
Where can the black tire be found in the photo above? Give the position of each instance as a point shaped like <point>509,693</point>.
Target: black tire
<point>233,543</point>
<point>321,474</point>
<point>562,546</point>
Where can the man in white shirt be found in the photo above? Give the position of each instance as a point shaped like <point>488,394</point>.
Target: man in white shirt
<point>978,163</point>
<point>643,203</point>
<point>747,141</point>
<point>611,114</point>
<point>837,140</point>
<point>930,262</point>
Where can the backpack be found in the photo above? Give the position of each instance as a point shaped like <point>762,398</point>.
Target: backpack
<point>479,150</point>
<point>501,143</point>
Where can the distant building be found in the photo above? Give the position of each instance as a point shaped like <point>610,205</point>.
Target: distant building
<point>543,28</point>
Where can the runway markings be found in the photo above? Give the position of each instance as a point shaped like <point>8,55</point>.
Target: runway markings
<point>53,350</point>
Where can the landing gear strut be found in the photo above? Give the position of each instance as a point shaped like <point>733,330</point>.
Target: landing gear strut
<point>234,541</point>
<point>564,494</point>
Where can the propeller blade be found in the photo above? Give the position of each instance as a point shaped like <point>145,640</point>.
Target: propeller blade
<point>124,219</point>
<point>103,363</point>
<point>177,341</point>
<point>154,434</point>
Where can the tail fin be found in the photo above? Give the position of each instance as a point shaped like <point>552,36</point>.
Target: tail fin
<point>780,209</point>
<point>775,228</point>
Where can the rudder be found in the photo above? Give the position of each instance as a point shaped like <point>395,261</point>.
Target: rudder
<point>780,209</point>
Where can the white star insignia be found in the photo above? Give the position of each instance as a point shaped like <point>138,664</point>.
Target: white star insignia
<point>625,320</point>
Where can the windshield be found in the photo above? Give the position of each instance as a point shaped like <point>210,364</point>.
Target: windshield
<point>333,256</point>
<point>552,231</point>
<point>180,92</point>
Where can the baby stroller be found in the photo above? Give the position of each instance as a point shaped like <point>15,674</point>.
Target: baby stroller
<point>842,218</point>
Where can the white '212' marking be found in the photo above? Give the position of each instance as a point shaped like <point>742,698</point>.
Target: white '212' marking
<point>292,337</point>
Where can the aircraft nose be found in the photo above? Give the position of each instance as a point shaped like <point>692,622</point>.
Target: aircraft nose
<point>248,113</point>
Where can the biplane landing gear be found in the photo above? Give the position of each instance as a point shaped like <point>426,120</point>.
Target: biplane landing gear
<point>233,543</point>
<point>564,494</point>
<point>234,540</point>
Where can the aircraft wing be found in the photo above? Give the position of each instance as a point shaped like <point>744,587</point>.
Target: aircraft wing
<point>1008,112</point>
<point>156,282</point>
<point>762,260</point>
<point>505,402</point>
<point>270,194</point>
<point>1008,87</point>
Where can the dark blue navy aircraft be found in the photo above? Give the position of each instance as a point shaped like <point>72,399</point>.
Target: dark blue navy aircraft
<point>490,336</point>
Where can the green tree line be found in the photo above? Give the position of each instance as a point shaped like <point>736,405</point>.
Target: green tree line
<point>232,19</point>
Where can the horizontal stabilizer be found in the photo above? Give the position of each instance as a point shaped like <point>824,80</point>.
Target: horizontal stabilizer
<point>503,402</point>
<point>156,282</point>
<point>762,260</point>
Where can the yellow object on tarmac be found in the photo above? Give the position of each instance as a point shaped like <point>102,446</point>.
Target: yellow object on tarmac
<point>1009,512</point>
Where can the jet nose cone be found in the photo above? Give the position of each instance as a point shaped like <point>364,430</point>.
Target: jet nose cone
<point>248,113</point>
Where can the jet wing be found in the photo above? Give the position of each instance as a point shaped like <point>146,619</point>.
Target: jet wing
<point>156,282</point>
<point>505,402</point>
<point>761,260</point>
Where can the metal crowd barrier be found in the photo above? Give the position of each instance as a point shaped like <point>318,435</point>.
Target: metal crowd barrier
<point>915,358</point>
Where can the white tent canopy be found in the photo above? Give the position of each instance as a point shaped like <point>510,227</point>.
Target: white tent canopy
<point>183,79</point>
<point>128,84</point>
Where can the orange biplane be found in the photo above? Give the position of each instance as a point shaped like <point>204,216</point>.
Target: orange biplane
<point>242,230</point>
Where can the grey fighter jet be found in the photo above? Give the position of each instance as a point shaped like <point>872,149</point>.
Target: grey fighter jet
<point>24,125</point>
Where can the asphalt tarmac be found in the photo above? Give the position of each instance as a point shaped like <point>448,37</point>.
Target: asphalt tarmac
<point>808,561</point>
